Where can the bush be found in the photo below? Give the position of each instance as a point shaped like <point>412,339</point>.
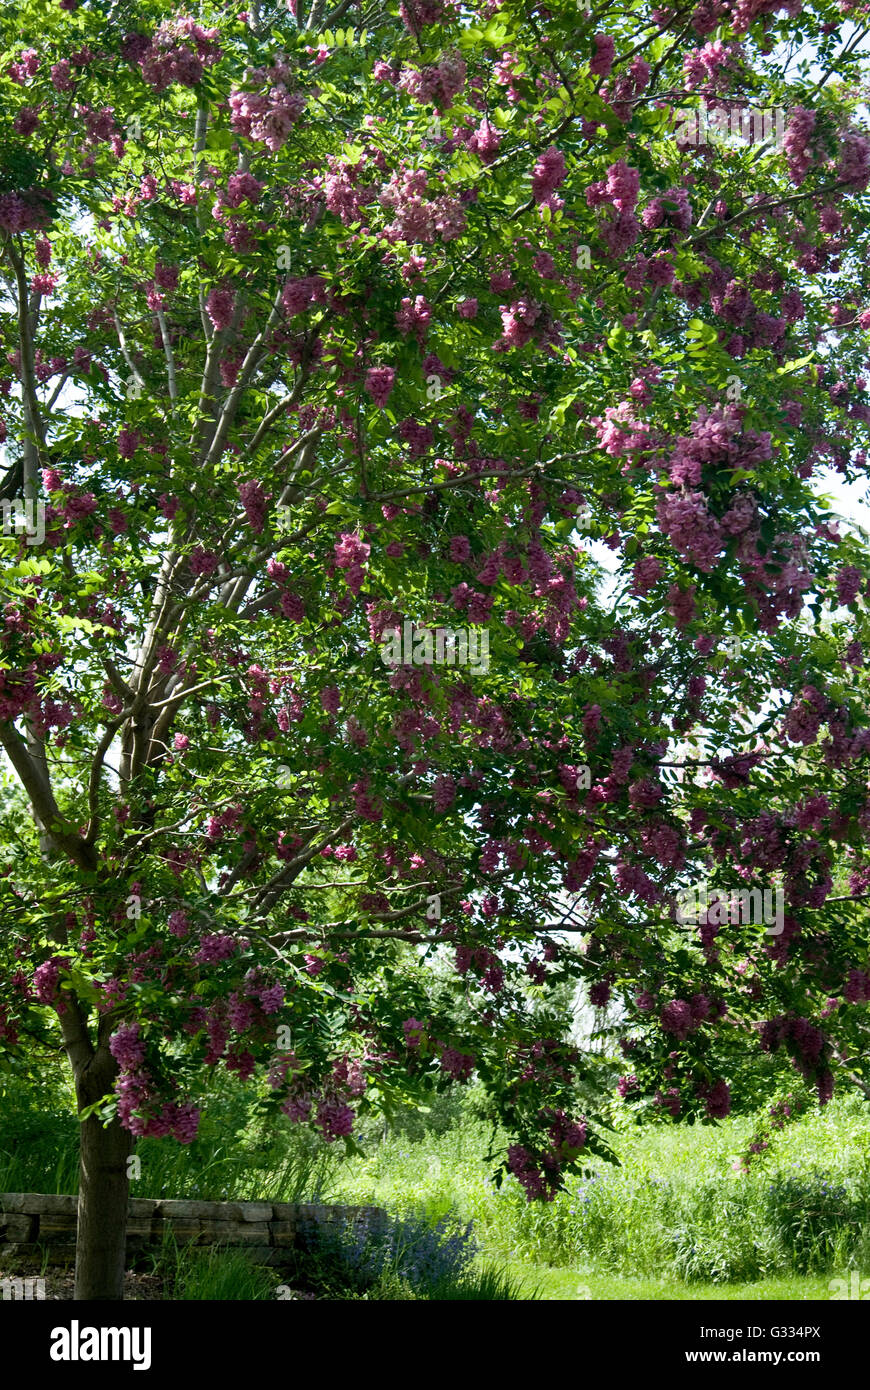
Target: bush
<point>349,1254</point>
<point>815,1219</point>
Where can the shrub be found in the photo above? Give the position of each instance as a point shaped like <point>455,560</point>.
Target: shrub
<point>349,1252</point>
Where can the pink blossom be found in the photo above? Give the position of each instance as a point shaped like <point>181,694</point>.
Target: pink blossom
<point>243,188</point>
<point>219,306</point>
<point>255,502</point>
<point>215,948</point>
<point>849,581</point>
<point>330,698</point>
<point>379,384</point>
<point>602,60</point>
<point>548,173</point>
<point>127,1047</point>
<point>45,981</point>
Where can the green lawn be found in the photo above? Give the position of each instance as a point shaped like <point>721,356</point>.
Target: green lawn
<point>567,1285</point>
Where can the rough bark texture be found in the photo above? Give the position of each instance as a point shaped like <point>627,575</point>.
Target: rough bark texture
<point>104,1190</point>
<point>104,1184</point>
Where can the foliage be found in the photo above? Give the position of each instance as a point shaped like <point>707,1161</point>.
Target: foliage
<point>320,335</point>
<point>427,1257</point>
<point>677,1208</point>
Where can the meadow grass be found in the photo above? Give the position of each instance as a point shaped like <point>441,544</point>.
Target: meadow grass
<point>674,1220</point>
<point>675,1203</point>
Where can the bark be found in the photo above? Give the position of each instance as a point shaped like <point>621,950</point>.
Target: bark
<point>104,1185</point>
<point>104,1190</point>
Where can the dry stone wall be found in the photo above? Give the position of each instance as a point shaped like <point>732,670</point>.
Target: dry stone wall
<point>32,1223</point>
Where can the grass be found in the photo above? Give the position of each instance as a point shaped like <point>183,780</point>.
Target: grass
<point>563,1285</point>
<point>234,1158</point>
<point>676,1203</point>
<point>673,1221</point>
<point>206,1275</point>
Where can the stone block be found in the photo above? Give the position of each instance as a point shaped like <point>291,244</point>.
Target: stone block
<point>183,1230</point>
<point>15,1201</point>
<point>235,1233</point>
<point>285,1211</point>
<point>187,1210</point>
<point>17,1227</point>
<point>145,1227</point>
<point>54,1204</point>
<point>141,1207</point>
<point>255,1211</point>
<point>283,1232</point>
<point>57,1227</point>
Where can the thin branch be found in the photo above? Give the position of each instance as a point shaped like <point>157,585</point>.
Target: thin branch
<point>170,359</point>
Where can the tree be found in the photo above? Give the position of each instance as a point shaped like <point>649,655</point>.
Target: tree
<point>326,343</point>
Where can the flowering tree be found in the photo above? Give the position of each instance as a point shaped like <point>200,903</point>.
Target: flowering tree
<point>330,334</point>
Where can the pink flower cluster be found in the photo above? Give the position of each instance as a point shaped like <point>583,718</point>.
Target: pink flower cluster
<point>255,501</point>
<point>681,1017</point>
<point>301,294</point>
<point>379,384</point>
<point>853,168</point>
<point>695,534</point>
<point>796,143</point>
<point>436,84</point>
<point>219,306</point>
<point>128,1047</point>
<point>22,212</point>
<point>443,793</point>
<point>417,14</point>
<point>601,61</point>
<point>857,987</point>
<point>413,317</point>
<point>179,51</point>
<point>805,716</point>
<point>808,1047</point>
<point>518,322</point>
<point>417,219</point>
<point>457,1065</point>
<point>548,174</point>
<point>46,979</point>
<point>849,581</point>
<point>413,1029</point>
<point>351,554</point>
<point>713,66</point>
<point>267,117</point>
<point>213,949</point>
<point>717,1098</point>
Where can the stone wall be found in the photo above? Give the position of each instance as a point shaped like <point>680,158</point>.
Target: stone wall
<point>34,1224</point>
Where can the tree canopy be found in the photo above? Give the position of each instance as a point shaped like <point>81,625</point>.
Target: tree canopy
<point>362,325</point>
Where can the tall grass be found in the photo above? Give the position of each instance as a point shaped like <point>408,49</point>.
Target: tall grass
<point>236,1157</point>
<point>675,1204</point>
<point>213,1274</point>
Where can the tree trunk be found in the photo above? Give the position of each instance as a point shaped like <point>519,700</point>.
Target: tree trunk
<point>104,1186</point>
